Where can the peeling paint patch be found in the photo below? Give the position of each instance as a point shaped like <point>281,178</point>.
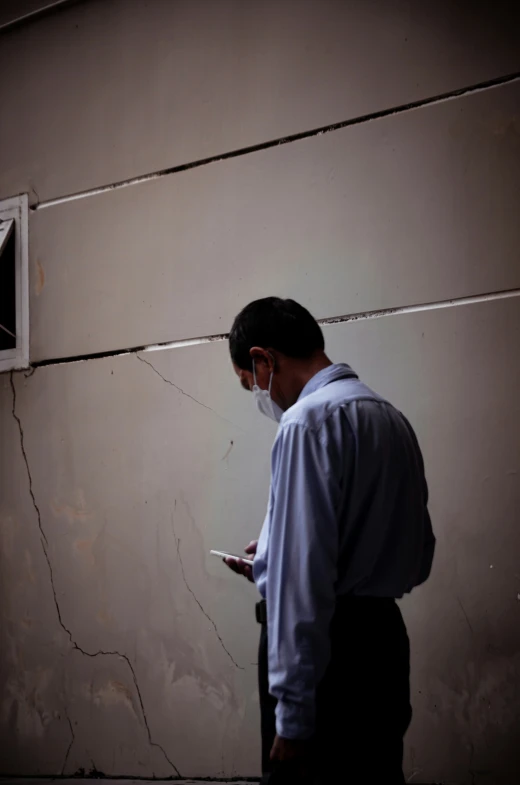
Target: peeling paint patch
<point>104,617</point>
<point>73,513</point>
<point>26,622</point>
<point>84,548</point>
<point>29,568</point>
<point>114,693</point>
<point>24,703</point>
<point>40,278</point>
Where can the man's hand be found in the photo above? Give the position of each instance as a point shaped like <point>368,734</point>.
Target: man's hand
<point>289,750</point>
<point>238,566</point>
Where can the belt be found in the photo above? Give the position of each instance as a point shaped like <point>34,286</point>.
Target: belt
<point>261,612</point>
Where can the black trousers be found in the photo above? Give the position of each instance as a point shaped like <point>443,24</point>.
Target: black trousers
<point>362,704</point>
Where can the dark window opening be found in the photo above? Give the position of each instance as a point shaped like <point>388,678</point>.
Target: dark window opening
<point>8,292</point>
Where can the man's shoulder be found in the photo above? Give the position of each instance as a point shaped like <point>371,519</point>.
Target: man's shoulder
<point>315,409</point>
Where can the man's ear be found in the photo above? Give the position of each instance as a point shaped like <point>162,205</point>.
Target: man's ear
<point>262,357</point>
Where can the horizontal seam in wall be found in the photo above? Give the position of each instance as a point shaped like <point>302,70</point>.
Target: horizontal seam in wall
<point>353,317</point>
<point>32,15</point>
<point>487,85</point>
<point>8,779</point>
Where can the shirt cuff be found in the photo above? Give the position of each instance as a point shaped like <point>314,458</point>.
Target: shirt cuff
<point>294,721</point>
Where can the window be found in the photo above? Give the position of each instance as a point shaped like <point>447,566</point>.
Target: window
<point>14,284</point>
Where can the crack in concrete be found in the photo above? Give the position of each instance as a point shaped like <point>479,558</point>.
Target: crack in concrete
<point>226,455</point>
<point>208,617</point>
<point>62,624</point>
<point>182,392</point>
<point>138,691</point>
<point>72,740</point>
<point>465,614</point>
<point>26,461</point>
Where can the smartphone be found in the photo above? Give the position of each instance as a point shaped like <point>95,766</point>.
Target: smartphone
<point>224,555</point>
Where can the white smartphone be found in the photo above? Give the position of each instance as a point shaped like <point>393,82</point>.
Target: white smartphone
<point>232,556</point>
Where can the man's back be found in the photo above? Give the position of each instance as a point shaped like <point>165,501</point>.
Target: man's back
<point>386,541</point>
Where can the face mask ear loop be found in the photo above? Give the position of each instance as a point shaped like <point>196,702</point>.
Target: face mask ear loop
<point>272,374</point>
<point>254,374</point>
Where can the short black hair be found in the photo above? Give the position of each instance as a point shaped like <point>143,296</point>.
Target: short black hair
<point>271,322</point>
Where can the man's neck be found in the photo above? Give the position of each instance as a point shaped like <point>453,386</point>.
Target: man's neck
<point>307,370</point>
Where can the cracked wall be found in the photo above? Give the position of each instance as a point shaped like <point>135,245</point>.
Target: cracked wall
<point>126,649</point>
<point>135,483</point>
<point>142,648</point>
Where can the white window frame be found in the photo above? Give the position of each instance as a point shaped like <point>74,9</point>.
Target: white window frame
<point>17,208</point>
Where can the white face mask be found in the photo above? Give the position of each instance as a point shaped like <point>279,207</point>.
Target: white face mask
<point>263,400</point>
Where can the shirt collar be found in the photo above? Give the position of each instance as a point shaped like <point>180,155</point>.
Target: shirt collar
<point>327,375</point>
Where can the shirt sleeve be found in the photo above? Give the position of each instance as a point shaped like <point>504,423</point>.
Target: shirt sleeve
<point>301,574</point>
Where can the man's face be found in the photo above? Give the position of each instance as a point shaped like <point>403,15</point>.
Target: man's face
<point>265,366</point>
<point>244,377</point>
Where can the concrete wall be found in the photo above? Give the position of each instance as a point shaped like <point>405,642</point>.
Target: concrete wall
<point>126,648</point>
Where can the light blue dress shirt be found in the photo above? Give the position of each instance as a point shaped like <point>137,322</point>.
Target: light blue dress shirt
<point>347,514</point>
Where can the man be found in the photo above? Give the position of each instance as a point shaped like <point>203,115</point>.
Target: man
<point>347,532</point>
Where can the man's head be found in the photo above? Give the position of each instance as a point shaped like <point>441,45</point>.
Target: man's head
<point>280,344</point>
